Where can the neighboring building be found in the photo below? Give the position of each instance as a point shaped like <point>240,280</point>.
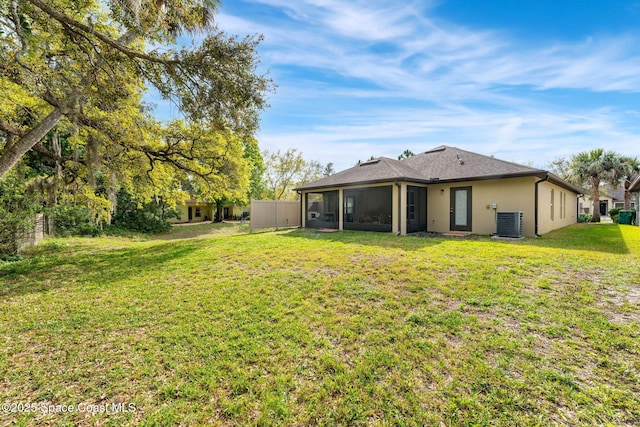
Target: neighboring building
<point>198,211</point>
<point>610,198</point>
<point>441,190</point>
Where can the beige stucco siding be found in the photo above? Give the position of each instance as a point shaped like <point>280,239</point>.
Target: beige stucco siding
<point>205,212</point>
<point>508,194</point>
<point>487,198</point>
<point>557,207</point>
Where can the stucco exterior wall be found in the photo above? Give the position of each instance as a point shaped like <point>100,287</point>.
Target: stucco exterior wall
<point>205,212</point>
<point>508,194</point>
<point>556,212</point>
<point>587,204</point>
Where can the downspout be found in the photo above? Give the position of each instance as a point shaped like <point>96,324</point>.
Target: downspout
<point>536,203</point>
<point>399,208</point>
<point>301,211</point>
<point>578,205</point>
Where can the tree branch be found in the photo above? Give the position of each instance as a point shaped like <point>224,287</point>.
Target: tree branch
<point>64,19</point>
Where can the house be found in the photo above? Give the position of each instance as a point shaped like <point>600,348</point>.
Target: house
<point>610,197</point>
<point>194,210</point>
<point>441,190</point>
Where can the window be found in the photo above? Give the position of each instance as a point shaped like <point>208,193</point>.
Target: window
<point>561,205</point>
<point>197,212</point>
<point>553,196</point>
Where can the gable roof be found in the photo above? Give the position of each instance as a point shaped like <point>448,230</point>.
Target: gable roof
<point>440,164</point>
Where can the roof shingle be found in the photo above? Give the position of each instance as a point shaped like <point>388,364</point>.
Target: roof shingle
<point>442,163</point>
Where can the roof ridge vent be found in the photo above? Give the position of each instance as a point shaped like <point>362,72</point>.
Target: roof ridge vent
<point>370,162</point>
<point>436,150</point>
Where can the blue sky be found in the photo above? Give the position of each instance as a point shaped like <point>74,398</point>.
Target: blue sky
<point>526,81</point>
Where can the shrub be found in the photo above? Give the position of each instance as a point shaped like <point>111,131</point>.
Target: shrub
<point>585,218</point>
<point>70,220</point>
<point>132,215</point>
<point>614,211</point>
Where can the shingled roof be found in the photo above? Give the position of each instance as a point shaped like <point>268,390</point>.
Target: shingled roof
<point>373,171</point>
<point>441,164</point>
<point>451,163</point>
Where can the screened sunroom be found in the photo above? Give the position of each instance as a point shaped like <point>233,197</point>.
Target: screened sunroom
<point>368,209</point>
<point>322,209</point>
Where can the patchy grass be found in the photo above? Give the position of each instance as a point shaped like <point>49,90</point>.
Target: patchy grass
<point>210,325</point>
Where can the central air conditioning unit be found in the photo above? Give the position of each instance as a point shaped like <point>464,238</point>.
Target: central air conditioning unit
<point>509,224</point>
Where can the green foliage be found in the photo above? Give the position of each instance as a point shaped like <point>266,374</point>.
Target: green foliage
<point>406,154</point>
<point>71,220</point>
<point>592,168</point>
<point>285,171</point>
<point>282,172</point>
<point>257,186</point>
<point>134,215</point>
<point>80,70</point>
<point>585,218</point>
<point>17,209</point>
<point>614,214</point>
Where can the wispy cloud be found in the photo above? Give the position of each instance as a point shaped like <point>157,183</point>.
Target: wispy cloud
<point>376,77</point>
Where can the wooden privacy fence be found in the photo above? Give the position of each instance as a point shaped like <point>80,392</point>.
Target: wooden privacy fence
<point>274,214</point>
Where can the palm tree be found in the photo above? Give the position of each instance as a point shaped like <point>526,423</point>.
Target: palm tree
<point>592,168</point>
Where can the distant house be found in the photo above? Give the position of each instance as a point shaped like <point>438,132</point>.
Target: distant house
<point>610,197</point>
<point>441,190</point>
<point>194,210</point>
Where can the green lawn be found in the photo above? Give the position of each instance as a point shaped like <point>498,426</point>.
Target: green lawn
<point>211,325</point>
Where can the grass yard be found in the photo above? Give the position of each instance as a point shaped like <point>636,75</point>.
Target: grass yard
<point>209,325</point>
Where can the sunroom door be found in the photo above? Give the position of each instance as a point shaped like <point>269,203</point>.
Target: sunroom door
<point>416,209</point>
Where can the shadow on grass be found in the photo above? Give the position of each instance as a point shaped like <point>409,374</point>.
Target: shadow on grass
<point>99,267</point>
<point>189,231</point>
<point>606,238</point>
<point>368,238</point>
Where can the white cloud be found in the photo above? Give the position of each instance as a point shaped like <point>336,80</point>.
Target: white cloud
<point>529,137</point>
<point>380,77</point>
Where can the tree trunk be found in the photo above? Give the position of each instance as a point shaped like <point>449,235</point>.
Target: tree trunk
<point>10,157</point>
<point>218,211</point>
<point>596,200</point>
<point>627,195</point>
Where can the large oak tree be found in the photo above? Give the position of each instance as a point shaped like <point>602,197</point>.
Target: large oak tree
<point>81,68</point>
